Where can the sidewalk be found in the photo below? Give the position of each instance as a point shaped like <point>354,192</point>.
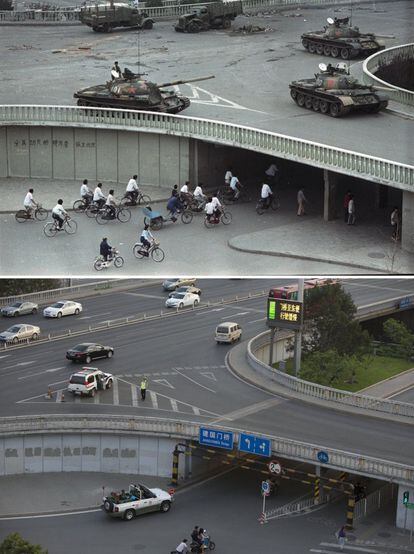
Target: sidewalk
<point>367,246</point>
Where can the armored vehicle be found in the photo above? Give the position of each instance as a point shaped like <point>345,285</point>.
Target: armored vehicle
<point>334,92</point>
<point>211,16</point>
<point>108,15</point>
<point>132,92</point>
<point>340,39</point>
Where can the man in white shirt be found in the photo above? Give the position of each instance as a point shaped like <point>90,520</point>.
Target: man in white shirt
<point>199,195</point>
<point>266,195</point>
<point>185,193</point>
<point>146,238</point>
<point>59,213</point>
<point>235,186</point>
<point>209,208</point>
<point>111,204</point>
<point>216,205</point>
<point>85,192</point>
<point>182,548</point>
<point>132,188</point>
<point>98,196</point>
<point>227,176</point>
<point>29,202</point>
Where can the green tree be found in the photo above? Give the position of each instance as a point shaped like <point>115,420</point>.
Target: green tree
<point>15,544</point>
<point>330,322</point>
<point>397,332</point>
<point>12,287</point>
<point>330,368</point>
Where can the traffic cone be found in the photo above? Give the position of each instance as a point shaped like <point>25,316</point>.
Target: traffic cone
<point>62,397</point>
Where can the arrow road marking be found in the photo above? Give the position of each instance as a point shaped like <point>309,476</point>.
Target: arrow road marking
<point>163,382</point>
<point>209,375</point>
<point>52,370</point>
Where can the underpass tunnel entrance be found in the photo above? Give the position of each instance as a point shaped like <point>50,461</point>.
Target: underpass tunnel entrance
<point>324,190</point>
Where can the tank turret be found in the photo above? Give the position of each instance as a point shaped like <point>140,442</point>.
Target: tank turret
<point>132,92</point>
<point>340,39</point>
<point>335,92</point>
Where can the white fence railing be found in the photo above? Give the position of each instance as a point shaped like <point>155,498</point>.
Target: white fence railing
<point>368,403</point>
<point>304,503</point>
<point>374,501</point>
<point>274,144</point>
<point>388,57</point>
<point>125,424</point>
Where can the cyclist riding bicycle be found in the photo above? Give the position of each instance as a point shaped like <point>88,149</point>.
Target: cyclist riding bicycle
<point>98,196</point>
<point>199,195</point>
<point>266,195</point>
<point>59,213</point>
<point>185,193</point>
<point>235,186</point>
<point>29,203</point>
<point>105,250</point>
<point>132,189</point>
<point>110,204</point>
<point>174,206</point>
<point>85,192</point>
<point>146,239</point>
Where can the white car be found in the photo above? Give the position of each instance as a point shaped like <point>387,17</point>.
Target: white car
<point>181,299</point>
<point>138,500</point>
<point>61,308</point>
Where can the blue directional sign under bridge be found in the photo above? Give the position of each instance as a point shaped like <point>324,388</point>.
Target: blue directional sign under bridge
<point>217,438</point>
<point>254,444</point>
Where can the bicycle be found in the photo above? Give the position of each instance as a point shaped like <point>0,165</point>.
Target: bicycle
<point>52,227</point>
<point>129,200</point>
<point>38,213</point>
<point>262,205</point>
<point>211,220</point>
<point>121,214</point>
<point>115,259</point>
<point>156,253</point>
<point>93,209</point>
<point>81,205</point>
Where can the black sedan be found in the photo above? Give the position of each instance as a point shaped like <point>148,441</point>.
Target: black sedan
<point>88,351</point>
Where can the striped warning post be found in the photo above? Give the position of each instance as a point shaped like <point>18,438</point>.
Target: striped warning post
<point>174,475</point>
<point>317,490</point>
<point>350,512</point>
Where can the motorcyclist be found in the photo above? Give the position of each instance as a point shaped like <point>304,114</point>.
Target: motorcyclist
<point>59,213</point>
<point>132,189</point>
<point>195,535</point>
<point>105,249</point>
<point>85,192</point>
<point>29,202</point>
<point>111,204</point>
<point>98,196</point>
<point>147,239</point>
<point>174,206</point>
<point>266,195</point>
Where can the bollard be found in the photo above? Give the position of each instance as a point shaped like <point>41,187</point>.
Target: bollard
<point>316,491</point>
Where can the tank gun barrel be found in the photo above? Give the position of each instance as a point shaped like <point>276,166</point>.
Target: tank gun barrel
<point>182,81</point>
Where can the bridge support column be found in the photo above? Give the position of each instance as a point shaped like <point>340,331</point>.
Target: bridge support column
<point>329,199</point>
<point>407,223</point>
<point>193,173</point>
<point>404,518</point>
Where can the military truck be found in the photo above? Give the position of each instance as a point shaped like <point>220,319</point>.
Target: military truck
<point>209,16</point>
<point>106,16</point>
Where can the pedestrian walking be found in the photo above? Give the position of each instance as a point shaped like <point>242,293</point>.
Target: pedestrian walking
<point>144,384</point>
<point>347,198</point>
<point>351,210</point>
<point>341,535</point>
<point>301,202</point>
<point>396,224</point>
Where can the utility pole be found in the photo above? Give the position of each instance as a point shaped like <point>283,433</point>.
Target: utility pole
<point>298,337</point>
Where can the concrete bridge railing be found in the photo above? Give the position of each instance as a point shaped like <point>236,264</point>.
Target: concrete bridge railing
<point>387,57</point>
<point>295,149</point>
<point>11,427</point>
<point>351,399</point>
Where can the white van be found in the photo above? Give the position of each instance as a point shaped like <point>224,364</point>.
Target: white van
<point>228,332</point>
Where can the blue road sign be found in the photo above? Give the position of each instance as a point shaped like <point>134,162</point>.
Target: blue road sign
<point>265,487</point>
<point>405,302</point>
<point>323,457</point>
<point>254,444</point>
<point>215,437</point>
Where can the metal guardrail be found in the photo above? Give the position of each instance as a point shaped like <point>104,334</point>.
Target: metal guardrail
<point>374,501</point>
<point>124,424</point>
<point>311,153</point>
<point>387,57</point>
<point>305,502</point>
<point>368,403</point>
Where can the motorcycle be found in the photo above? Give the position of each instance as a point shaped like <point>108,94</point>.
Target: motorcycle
<point>208,544</point>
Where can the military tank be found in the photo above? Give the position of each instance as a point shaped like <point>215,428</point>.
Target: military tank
<point>335,92</point>
<point>340,39</point>
<point>133,92</point>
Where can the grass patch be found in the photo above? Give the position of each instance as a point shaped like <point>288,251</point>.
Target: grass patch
<point>377,369</point>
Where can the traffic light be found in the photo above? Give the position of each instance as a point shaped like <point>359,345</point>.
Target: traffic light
<point>406,497</point>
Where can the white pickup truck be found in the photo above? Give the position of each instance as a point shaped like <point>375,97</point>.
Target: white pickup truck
<point>138,500</point>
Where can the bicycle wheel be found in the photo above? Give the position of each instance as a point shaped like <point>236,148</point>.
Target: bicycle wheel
<point>226,218</point>
<point>70,227</point>
<point>260,208</point>
<point>102,217</point>
<point>79,206</point>
<point>98,265</point>
<point>186,216</point>
<point>50,229</point>
<point>138,251</point>
<point>41,214</point>
<point>157,254</point>
<point>208,223</point>
<point>91,210</point>
<point>144,199</point>
<point>119,261</point>
<point>123,215</point>
<point>21,216</point>
<point>155,224</point>
<point>275,204</point>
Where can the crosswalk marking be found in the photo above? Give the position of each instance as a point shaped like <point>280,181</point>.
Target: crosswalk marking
<point>134,396</point>
<point>154,399</point>
<point>115,392</point>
